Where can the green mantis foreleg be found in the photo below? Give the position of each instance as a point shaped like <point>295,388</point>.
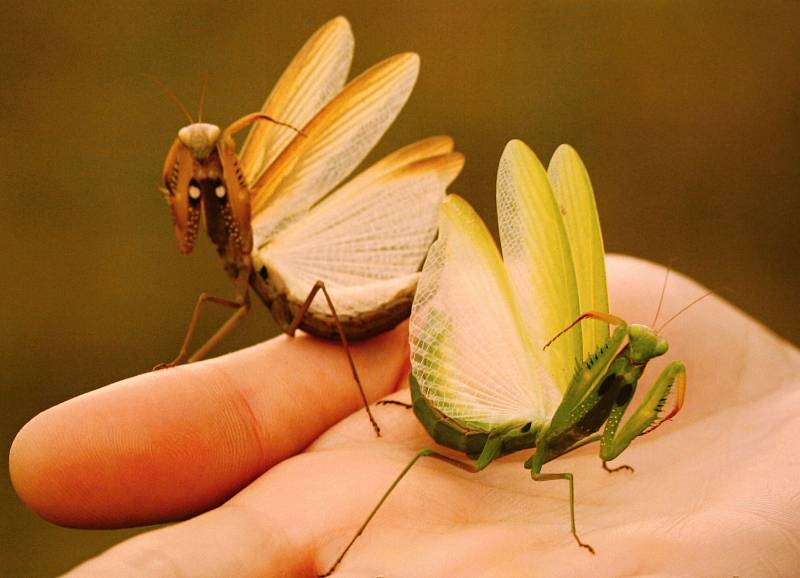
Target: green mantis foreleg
<point>646,417</point>
<point>577,399</point>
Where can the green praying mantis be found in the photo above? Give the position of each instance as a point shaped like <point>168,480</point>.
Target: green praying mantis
<point>512,353</point>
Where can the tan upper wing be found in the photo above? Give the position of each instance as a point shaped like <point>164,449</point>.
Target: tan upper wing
<point>315,75</point>
<point>335,141</point>
<point>368,240</point>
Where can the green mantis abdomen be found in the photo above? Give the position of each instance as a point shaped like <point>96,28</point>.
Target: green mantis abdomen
<point>507,438</point>
<point>443,429</point>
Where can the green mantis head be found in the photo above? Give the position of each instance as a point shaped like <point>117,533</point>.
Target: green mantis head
<point>645,343</point>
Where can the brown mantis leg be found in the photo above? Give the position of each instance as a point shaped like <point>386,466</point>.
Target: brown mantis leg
<point>220,333</point>
<point>421,454</point>
<point>568,477</point>
<point>242,306</point>
<point>298,318</point>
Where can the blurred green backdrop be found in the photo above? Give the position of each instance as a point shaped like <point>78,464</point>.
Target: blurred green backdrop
<point>686,114</point>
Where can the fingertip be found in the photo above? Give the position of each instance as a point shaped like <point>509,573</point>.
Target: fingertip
<point>27,468</point>
<point>169,444</point>
<point>109,458</point>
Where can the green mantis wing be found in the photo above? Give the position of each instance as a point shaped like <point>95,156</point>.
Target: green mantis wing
<point>479,323</point>
<point>537,255</point>
<point>574,194</point>
<point>470,352</point>
<point>553,251</point>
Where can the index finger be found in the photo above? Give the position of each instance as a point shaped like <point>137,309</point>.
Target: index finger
<point>168,444</point>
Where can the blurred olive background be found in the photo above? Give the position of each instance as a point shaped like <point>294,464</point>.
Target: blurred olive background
<point>686,114</point>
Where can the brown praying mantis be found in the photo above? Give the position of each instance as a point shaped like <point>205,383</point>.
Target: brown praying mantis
<point>277,218</point>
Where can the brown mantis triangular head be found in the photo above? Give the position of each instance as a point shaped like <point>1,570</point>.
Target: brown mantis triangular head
<point>203,178</point>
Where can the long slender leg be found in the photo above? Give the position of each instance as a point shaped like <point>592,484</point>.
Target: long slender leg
<point>568,477</point>
<point>394,402</point>
<point>421,454</point>
<point>220,333</point>
<point>646,417</point>
<point>298,318</point>
<point>242,306</point>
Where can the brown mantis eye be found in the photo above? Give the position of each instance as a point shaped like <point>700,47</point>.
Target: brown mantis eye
<point>220,191</point>
<point>194,192</point>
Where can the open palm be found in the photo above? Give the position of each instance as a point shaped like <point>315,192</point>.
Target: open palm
<point>260,448</point>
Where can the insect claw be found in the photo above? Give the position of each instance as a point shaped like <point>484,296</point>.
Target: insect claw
<point>618,468</point>
<point>169,364</point>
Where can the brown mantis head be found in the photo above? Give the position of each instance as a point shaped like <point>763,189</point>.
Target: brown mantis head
<point>195,185</point>
<point>200,138</point>
<point>202,179</point>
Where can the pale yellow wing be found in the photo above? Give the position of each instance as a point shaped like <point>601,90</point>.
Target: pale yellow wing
<point>537,256</point>
<point>334,142</point>
<point>367,241</point>
<point>470,352</point>
<point>315,75</point>
<point>573,190</point>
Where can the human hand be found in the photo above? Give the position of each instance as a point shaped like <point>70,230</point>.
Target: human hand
<point>714,492</point>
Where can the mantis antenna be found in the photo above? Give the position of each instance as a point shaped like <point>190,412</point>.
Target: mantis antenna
<point>661,299</point>
<point>671,319</point>
<point>172,96</point>
<point>202,99</point>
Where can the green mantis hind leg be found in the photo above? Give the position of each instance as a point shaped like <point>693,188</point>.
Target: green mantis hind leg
<point>295,324</point>
<point>565,476</point>
<point>646,417</point>
<point>420,454</point>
